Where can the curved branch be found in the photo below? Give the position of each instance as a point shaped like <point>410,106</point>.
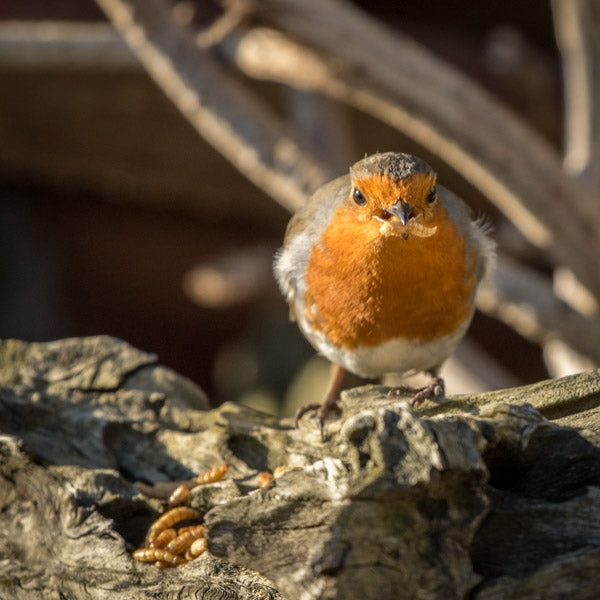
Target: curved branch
<point>223,111</point>
<point>577,25</point>
<point>524,300</point>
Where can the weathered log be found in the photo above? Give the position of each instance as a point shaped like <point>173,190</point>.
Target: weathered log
<point>475,497</point>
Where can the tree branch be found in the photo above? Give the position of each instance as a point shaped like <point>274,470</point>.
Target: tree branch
<point>223,111</point>
<point>577,27</point>
<point>523,299</point>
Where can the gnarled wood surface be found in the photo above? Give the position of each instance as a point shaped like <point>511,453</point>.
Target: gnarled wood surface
<point>478,497</point>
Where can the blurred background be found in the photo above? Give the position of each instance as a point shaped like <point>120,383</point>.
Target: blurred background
<point>116,217</point>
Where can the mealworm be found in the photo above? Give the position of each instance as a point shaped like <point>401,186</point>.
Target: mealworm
<point>198,530</point>
<point>421,230</point>
<point>215,474</point>
<point>180,495</point>
<point>183,541</point>
<point>413,227</point>
<point>181,513</point>
<point>280,470</point>
<point>156,554</point>
<point>264,479</point>
<point>164,538</point>
<point>196,549</point>
<point>161,564</point>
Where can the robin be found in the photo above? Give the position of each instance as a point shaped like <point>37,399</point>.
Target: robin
<point>380,269</point>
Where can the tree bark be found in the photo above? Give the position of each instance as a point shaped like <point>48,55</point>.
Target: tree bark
<point>474,497</point>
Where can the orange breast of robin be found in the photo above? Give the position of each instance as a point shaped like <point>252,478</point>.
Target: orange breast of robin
<point>365,288</point>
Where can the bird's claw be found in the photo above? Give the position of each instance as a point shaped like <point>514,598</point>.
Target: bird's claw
<point>436,389</point>
<point>329,406</point>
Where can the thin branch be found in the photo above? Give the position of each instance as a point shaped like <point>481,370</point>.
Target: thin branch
<point>223,111</point>
<point>524,299</point>
<point>577,29</point>
<point>34,44</point>
<point>233,15</point>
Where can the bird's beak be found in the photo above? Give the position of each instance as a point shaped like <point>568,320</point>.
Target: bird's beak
<point>402,210</point>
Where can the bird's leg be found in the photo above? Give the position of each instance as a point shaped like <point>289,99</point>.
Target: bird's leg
<point>435,389</point>
<point>330,404</point>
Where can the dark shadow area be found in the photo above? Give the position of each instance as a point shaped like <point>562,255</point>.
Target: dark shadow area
<point>539,499</point>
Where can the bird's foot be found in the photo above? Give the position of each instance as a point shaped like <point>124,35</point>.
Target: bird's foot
<point>330,405</point>
<point>436,389</point>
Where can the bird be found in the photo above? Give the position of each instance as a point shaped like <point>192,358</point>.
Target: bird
<point>380,268</point>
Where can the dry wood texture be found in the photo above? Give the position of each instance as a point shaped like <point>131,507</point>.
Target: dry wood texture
<point>477,497</point>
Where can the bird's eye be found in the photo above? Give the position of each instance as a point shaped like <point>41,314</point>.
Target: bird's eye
<point>358,197</point>
<point>432,196</point>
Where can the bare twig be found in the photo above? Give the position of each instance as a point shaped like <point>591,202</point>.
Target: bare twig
<point>523,299</point>
<point>233,15</point>
<point>577,29</point>
<point>58,43</point>
<point>225,113</point>
<point>324,128</point>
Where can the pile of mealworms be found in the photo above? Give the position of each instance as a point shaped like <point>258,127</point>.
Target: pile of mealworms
<point>169,546</point>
